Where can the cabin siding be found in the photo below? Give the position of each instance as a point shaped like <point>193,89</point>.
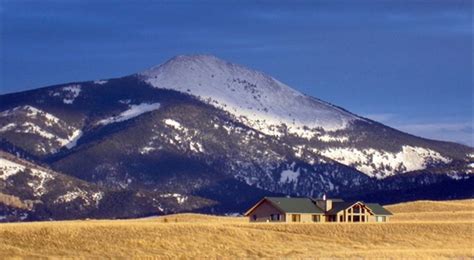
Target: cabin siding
<point>303,217</point>
<point>264,211</point>
<point>302,211</point>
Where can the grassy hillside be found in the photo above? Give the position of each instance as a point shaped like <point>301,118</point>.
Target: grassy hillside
<point>435,230</point>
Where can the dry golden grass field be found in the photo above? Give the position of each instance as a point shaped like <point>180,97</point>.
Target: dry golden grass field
<point>422,229</point>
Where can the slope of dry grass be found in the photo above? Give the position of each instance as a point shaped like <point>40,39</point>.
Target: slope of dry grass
<point>193,235</point>
<point>438,211</point>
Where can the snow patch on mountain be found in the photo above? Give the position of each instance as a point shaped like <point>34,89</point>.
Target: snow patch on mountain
<point>37,182</point>
<point>73,138</point>
<point>68,93</point>
<point>88,198</point>
<point>131,112</point>
<point>287,176</point>
<point>147,150</point>
<point>31,112</point>
<point>329,138</point>
<point>196,147</point>
<point>179,197</point>
<point>183,137</point>
<point>42,124</point>
<point>71,93</point>
<point>7,127</point>
<point>381,164</point>
<point>100,82</point>
<point>173,123</point>
<point>9,168</point>
<point>257,99</point>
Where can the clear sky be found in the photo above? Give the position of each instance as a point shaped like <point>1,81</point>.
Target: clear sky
<point>408,64</point>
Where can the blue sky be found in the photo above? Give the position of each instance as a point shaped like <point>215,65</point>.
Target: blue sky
<point>407,64</point>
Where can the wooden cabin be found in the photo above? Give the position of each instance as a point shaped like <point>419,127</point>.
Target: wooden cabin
<point>283,209</point>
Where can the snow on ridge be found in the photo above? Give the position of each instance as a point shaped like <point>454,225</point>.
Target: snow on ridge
<point>31,112</point>
<point>410,158</point>
<point>77,193</point>
<point>131,112</point>
<point>329,138</point>
<point>7,127</point>
<point>72,92</point>
<point>246,93</point>
<point>30,127</point>
<point>179,197</point>
<point>73,138</point>
<point>100,82</point>
<point>9,168</point>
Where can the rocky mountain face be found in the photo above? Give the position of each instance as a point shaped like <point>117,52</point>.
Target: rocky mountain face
<point>200,134</point>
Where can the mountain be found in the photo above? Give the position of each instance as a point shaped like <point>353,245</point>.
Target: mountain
<point>213,136</point>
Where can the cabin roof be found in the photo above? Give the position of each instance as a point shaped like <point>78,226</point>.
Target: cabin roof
<point>376,208</point>
<point>308,205</point>
<point>295,205</point>
<point>338,206</point>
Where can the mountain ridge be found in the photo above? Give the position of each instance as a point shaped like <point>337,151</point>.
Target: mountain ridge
<point>147,143</point>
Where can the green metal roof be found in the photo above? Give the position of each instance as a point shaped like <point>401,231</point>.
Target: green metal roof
<point>377,209</point>
<point>295,205</point>
<point>338,206</point>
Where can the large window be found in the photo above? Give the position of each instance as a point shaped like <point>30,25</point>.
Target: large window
<point>356,209</point>
<point>254,217</point>
<point>331,218</point>
<point>296,217</point>
<point>316,218</point>
<point>275,217</point>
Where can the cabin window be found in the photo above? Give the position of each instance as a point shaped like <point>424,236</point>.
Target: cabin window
<point>363,218</point>
<point>356,209</point>
<point>380,219</point>
<point>254,217</point>
<point>296,217</point>
<point>331,218</point>
<point>356,218</point>
<point>275,217</point>
<point>316,218</point>
<point>350,219</point>
<point>341,218</point>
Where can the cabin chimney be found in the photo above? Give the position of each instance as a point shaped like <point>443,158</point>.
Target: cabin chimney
<point>328,204</point>
<point>324,203</point>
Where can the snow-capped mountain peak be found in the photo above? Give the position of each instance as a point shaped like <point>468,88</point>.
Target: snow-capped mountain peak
<point>257,99</point>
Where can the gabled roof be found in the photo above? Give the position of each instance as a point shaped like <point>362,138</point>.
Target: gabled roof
<point>290,205</point>
<point>307,205</point>
<point>377,209</point>
<point>295,205</point>
<point>338,206</point>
